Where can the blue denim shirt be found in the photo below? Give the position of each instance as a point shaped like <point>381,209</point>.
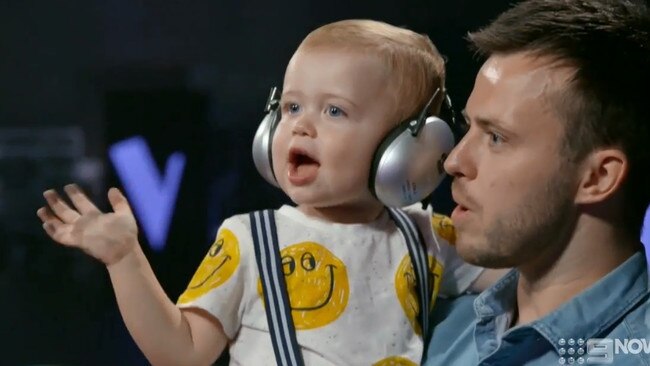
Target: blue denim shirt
<point>474,330</point>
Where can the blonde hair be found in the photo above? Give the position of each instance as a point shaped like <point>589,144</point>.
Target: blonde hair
<point>416,67</point>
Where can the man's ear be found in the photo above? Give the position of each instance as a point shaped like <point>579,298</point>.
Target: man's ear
<point>603,172</point>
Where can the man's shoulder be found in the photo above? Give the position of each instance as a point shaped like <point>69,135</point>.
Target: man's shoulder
<point>636,324</point>
<point>456,312</point>
<point>628,340</point>
<point>452,337</point>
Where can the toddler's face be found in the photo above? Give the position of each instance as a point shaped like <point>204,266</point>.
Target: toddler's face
<point>336,107</point>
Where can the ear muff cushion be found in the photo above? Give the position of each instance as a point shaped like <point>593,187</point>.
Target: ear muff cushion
<point>379,153</point>
<point>262,146</point>
<point>275,118</point>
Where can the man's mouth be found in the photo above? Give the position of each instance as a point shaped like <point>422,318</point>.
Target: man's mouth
<point>464,202</point>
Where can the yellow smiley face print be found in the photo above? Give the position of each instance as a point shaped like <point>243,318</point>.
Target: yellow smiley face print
<point>405,288</point>
<point>395,361</point>
<point>216,268</point>
<point>317,284</point>
<point>443,226</point>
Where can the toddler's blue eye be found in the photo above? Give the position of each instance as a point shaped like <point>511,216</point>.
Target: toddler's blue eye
<point>335,111</point>
<point>293,108</point>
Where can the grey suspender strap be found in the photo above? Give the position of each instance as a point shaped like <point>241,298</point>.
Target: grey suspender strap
<point>420,261</point>
<point>277,306</point>
<point>276,300</point>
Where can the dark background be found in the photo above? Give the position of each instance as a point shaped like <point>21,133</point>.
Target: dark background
<point>188,76</point>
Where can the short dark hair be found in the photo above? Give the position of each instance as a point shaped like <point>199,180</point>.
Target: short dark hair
<point>607,42</point>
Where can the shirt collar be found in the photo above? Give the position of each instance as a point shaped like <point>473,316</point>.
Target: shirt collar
<point>584,316</point>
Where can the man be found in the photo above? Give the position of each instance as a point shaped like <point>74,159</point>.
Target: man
<point>552,179</point>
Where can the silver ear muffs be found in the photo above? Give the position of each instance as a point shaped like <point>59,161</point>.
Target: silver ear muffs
<point>408,164</point>
<point>263,140</point>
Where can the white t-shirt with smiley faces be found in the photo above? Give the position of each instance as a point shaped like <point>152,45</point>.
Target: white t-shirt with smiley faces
<point>351,287</point>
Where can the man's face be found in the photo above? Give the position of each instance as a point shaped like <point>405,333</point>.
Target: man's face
<point>336,107</point>
<point>513,189</point>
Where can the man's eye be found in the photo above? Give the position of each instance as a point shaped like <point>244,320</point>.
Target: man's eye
<point>495,138</point>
